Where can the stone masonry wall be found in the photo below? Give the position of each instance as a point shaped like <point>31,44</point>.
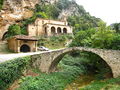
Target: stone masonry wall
<point>47,61</point>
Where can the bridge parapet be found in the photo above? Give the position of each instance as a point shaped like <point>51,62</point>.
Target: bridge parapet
<point>46,62</point>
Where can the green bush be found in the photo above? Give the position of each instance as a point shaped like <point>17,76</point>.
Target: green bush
<point>70,67</point>
<point>14,30</point>
<point>55,80</point>
<point>111,84</point>
<point>54,42</point>
<point>11,71</point>
<point>1,3</point>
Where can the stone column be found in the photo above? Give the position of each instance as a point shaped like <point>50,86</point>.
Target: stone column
<point>49,31</point>
<point>35,46</point>
<point>18,46</point>
<point>61,30</point>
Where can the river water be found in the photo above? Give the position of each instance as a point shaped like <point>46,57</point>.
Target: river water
<point>80,82</point>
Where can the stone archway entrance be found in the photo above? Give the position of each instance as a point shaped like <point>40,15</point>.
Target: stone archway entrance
<point>24,48</point>
<point>4,36</point>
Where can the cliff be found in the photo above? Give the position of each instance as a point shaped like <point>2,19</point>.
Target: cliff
<point>14,11</point>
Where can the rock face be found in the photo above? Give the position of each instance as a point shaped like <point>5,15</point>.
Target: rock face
<point>15,10</point>
<point>49,1</point>
<point>71,10</point>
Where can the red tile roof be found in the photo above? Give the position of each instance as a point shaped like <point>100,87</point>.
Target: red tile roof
<point>25,37</point>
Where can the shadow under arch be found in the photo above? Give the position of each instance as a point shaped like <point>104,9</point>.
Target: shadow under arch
<point>53,30</point>
<point>57,59</point>
<point>4,36</point>
<point>25,48</point>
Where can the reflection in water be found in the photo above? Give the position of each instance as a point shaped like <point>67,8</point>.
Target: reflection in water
<point>80,82</point>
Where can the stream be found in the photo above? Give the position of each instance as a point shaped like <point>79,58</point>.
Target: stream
<point>80,82</point>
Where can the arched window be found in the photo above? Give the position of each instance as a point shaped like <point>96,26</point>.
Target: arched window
<point>24,48</point>
<point>64,30</point>
<point>59,30</point>
<point>53,30</point>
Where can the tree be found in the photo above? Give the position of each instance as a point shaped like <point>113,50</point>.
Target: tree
<point>100,37</point>
<point>103,37</point>
<point>83,22</point>
<point>1,3</point>
<point>14,30</point>
<point>116,42</point>
<point>83,38</point>
<point>116,27</point>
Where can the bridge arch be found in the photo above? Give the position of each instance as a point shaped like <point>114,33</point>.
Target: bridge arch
<point>58,57</point>
<point>46,61</point>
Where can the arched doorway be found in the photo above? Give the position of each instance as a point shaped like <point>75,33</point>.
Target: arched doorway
<point>59,30</point>
<point>4,36</point>
<point>53,30</point>
<point>64,30</point>
<point>24,48</point>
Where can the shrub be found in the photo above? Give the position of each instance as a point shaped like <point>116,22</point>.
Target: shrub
<point>14,30</point>
<point>55,80</point>
<point>111,84</point>
<point>12,70</point>
<point>1,3</point>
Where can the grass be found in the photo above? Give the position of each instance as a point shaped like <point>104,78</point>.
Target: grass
<point>54,42</point>
<point>52,81</point>
<point>109,84</point>
<point>55,46</point>
<point>70,68</point>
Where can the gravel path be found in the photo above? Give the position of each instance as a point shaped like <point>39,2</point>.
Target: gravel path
<point>7,57</point>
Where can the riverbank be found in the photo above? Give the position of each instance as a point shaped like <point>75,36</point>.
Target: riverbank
<point>75,69</point>
<point>80,82</point>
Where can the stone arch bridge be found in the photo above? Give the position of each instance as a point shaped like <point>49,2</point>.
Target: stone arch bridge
<point>47,61</point>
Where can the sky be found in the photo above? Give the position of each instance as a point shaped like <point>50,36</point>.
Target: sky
<point>107,10</point>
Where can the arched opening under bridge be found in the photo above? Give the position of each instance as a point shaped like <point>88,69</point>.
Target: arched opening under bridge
<point>93,63</point>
